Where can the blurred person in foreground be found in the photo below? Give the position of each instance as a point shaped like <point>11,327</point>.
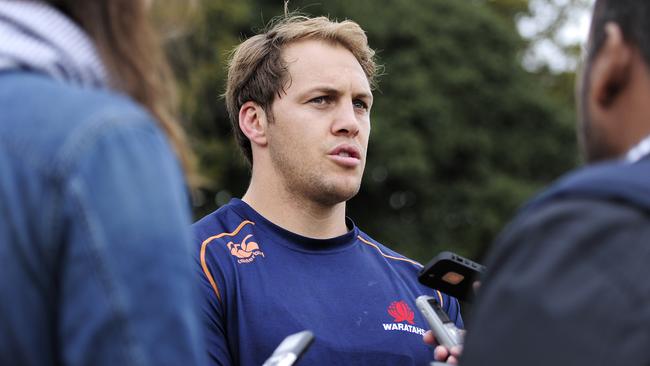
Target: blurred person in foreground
<point>568,279</point>
<point>285,258</point>
<point>94,223</point>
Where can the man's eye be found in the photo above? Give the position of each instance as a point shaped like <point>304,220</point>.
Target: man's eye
<point>360,104</point>
<point>319,100</point>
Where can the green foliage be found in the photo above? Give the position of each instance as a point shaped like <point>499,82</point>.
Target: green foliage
<point>461,134</point>
<point>200,61</point>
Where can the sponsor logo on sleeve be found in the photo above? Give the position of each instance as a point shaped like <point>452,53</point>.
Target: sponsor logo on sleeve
<point>246,251</point>
<point>403,318</point>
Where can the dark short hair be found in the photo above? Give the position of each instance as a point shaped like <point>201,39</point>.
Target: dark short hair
<point>632,16</point>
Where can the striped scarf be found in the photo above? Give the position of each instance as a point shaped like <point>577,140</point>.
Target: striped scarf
<point>36,37</point>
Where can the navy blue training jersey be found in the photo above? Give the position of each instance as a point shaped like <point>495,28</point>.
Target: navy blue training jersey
<point>261,283</point>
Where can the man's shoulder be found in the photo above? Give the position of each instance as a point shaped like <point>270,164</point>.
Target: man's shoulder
<point>552,267</point>
<point>568,217</point>
<point>383,252</point>
<point>221,224</point>
<point>594,238</point>
<point>613,181</point>
<point>407,270</point>
<point>611,195</point>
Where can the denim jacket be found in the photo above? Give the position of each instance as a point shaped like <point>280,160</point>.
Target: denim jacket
<point>95,261</point>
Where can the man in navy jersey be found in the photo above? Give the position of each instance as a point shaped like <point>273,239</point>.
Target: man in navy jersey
<point>285,258</point>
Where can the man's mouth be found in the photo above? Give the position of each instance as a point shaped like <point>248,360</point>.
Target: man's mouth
<point>346,155</point>
<point>346,151</point>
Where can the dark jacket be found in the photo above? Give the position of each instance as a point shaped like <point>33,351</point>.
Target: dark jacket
<point>567,281</point>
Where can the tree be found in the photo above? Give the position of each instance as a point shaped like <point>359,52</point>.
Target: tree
<point>199,57</point>
<point>461,133</point>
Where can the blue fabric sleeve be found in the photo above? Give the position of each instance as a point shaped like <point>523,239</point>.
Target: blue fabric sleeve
<point>453,309</point>
<point>127,290</point>
<point>212,307</point>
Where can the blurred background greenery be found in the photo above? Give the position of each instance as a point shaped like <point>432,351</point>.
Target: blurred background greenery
<point>462,132</point>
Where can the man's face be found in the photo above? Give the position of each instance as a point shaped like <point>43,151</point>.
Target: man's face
<point>319,132</point>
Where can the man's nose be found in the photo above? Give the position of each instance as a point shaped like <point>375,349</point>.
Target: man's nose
<point>346,121</point>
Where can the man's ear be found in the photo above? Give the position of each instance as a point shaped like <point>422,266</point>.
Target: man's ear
<point>253,123</point>
<point>611,68</point>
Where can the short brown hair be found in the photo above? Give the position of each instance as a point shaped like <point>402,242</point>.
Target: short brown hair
<point>256,71</point>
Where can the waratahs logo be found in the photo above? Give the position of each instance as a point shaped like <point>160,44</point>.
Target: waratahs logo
<point>402,313</point>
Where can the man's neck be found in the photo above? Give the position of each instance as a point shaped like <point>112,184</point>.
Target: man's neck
<point>296,213</point>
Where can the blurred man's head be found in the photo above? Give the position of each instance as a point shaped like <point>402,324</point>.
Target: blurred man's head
<point>615,86</point>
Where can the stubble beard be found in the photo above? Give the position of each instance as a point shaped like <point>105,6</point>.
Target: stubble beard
<point>307,183</point>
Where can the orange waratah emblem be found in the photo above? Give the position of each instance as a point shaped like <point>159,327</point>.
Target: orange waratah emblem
<point>401,312</point>
<point>246,251</point>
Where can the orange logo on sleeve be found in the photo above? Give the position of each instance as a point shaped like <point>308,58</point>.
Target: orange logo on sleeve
<point>246,251</point>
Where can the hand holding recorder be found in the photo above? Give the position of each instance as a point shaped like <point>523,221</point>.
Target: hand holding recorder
<point>458,277</point>
<point>443,328</point>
